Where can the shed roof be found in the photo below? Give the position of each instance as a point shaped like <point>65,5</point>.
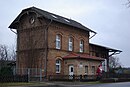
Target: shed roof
<point>82,56</point>
<point>107,48</point>
<point>51,16</point>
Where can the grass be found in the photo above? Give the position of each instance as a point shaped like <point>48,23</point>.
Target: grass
<point>22,84</point>
<point>92,83</point>
<point>44,83</point>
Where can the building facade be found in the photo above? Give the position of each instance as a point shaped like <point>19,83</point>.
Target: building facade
<point>57,45</point>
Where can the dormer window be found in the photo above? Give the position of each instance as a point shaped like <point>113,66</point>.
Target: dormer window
<point>66,20</point>
<point>54,16</point>
<point>81,49</point>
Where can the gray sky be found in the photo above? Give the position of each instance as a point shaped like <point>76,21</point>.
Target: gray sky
<point>109,18</point>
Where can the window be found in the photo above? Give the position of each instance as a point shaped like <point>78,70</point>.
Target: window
<point>58,41</point>
<point>93,70</point>
<point>70,44</point>
<point>72,69</point>
<point>54,16</point>
<point>58,66</point>
<point>66,20</point>
<point>86,69</point>
<point>97,54</point>
<point>81,46</point>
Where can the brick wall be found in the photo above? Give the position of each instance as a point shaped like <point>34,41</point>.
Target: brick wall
<point>65,32</point>
<point>31,45</point>
<point>30,42</point>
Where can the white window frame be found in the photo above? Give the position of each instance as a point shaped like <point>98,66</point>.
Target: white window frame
<point>58,65</point>
<point>81,49</point>
<point>86,69</point>
<point>58,42</point>
<point>70,44</point>
<point>93,70</point>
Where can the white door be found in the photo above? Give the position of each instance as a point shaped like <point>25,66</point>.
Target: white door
<point>71,71</point>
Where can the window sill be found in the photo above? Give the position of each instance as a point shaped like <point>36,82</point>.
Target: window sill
<point>57,72</point>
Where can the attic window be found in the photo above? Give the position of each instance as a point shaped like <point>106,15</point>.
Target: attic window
<point>66,20</point>
<point>53,16</point>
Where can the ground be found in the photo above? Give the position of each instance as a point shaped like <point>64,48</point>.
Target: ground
<point>65,84</point>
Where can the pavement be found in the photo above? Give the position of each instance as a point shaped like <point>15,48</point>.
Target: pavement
<point>61,84</point>
<point>56,84</point>
<point>77,84</point>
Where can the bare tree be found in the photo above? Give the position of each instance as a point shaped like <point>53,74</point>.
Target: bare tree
<point>6,54</point>
<point>128,3</point>
<point>114,62</point>
<point>12,53</point>
<point>3,55</point>
<point>3,52</point>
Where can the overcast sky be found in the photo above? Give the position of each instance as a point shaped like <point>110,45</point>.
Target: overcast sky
<point>109,18</point>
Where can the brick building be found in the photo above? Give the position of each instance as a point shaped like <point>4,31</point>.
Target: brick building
<point>57,45</point>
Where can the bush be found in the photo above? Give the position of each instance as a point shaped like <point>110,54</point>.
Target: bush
<point>6,71</point>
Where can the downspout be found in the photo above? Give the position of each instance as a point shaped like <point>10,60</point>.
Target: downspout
<point>16,49</point>
<point>46,49</point>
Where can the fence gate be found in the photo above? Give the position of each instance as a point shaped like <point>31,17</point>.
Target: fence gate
<point>34,74</point>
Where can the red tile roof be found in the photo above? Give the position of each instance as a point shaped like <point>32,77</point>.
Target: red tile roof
<point>82,56</point>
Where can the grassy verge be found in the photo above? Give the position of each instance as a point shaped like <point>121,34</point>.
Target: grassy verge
<point>93,82</point>
<point>22,84</point>
<point>46,83</point>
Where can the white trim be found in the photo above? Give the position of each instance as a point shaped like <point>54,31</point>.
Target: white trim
<point>58,63</point>
<point>70,44</point>
<point>86,70</point>
<point>58,42</point>
<point>81,46</point>
<point>93,70</point>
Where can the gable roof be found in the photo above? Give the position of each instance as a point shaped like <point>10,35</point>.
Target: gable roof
<point>51,16</point>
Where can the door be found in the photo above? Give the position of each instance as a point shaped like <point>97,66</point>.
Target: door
<point>71,71</point>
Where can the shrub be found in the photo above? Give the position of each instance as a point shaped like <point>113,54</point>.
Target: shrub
<point>6,71</point>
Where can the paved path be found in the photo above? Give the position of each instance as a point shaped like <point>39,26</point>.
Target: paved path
<point>75,84</point>
<point>122,84</point>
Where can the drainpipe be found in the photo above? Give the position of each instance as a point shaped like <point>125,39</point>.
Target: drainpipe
<point>46,49</point>
<point>16,47</point>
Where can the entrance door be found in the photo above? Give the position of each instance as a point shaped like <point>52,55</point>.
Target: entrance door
<point>71,71</point>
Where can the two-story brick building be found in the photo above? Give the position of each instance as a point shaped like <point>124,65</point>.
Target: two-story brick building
<point>57,45</point>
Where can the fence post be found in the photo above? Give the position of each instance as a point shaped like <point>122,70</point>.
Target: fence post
<point>40,74</point>
<point>73,76</point>
<point>80,78</point>
<point>28,74</point>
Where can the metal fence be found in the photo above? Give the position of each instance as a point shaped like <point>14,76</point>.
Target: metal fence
<point>23,75</point>
<point>34,74</point>
<point>72,77</point>
<point>115,75</point>
<point>14,78</point>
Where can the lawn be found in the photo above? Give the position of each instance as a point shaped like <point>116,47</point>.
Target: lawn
<point>22,84</point>
<point>45,83</point>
